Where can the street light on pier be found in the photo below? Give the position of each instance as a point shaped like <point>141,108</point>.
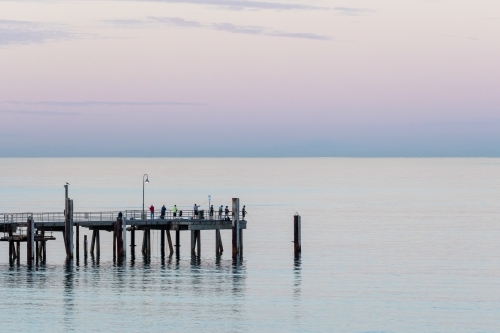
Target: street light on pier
<point>144,181</point>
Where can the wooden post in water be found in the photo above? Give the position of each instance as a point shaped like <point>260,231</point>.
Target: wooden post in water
<point>68,227</point>
<point>119,240</point>
<point>162,242</point>
<point>297,234</point>
<point>169,239</point>
<point>241,241</point>
<point>217,242</point>
<point>132,241</point>
<point>144,241</point>
<point>77,242</point>
<point>30,234</point>
<point>98,243</point>
<point>148,249</point>
<point>198,242</point>
<point>85,244</point>
<point>177,241</point>
<point>18,251</point>
<point>37,253</point>
<point>44,247</point>
<point>114,239</point>
<point>92,242</point>
<point>11,245</point>
<point>124,237</point>
<point>193,241</point>
<point>236,227</point>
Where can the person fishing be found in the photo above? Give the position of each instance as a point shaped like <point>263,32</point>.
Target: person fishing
<point>152,210</point>
<point>220,211</point>
<point>227,213</point>
<point>195,210</point>
<point>163,210</point>
<point>212,212</point>
<point>174,210</point>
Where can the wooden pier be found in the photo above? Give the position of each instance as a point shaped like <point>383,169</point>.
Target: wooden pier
<point>34,228</point>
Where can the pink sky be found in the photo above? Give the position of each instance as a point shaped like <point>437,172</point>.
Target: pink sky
<point>250,78</point>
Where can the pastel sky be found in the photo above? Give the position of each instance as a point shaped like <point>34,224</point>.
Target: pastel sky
<point>250,78</point>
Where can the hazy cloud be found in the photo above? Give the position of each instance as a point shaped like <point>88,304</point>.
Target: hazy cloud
<point>245,4</point>
<point>237,29</point>
<point>40,113</point>
<point>26,32</point>
<point>354,11</point>
<point>97,103</point>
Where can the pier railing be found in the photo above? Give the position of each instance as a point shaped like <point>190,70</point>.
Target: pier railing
<point>54,217</point>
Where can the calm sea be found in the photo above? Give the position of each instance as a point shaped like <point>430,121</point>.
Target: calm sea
<point>389,245</point>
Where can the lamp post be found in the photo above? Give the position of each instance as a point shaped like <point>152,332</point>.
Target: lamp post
<point>144,181</point>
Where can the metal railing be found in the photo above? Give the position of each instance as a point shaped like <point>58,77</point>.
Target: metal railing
<point>55,217</point>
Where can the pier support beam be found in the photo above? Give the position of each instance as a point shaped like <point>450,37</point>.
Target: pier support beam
<point>98,243</point>
<point>236,227</point>
<point>85,246</point>
<point>218,251</point>
<point>170,246</point>
<point>132,241</point>
<point>92,242</point>
<point>68,227</point>
<point>77,242</point>
<point>162,242</point>
<point>30,234</point>
<point>297,234</point>
<point>118,232</point>
<point>177,242</point>
<point>114,240</point>
<point>195,242</point>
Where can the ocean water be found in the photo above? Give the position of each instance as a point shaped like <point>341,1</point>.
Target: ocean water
<point>388,245</point>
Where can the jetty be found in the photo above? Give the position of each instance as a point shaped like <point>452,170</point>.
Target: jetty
<point>36,229</point>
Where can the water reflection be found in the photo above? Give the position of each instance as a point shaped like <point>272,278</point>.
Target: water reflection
<point>68,296</point>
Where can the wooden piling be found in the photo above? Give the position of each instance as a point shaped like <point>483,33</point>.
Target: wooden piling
<point>37,251</point>
<point>297,234</point>
<point>44,247</point>
<point>162,242</point>
<point>114,240</point>
<point>198,242</point>
<point>241,241</point>
<point>132,241</point>
<point>193,241</point>
<point>18,257</point>
<point>169,239</point>
<point>120,252</point>
<point>30,234</point>
<point>92,243</point>
<point>85,244</point>
<point>217,242</point>
<point>77,242</point>
<point>236,226</point>
<point>144,242</point>
<point>148,242</point>
<point>98,243</point>
<point>68,229</point>
<point>177,242</point>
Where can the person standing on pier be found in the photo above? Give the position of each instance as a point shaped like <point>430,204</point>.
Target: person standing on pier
<point>174,210</point>
<point>163,210</point>
<point>195,210</point>
<point>227,213</point>
<point>212,212</point>
<point>152,210</point>
<point>220,212</point>
<point>243,212</point>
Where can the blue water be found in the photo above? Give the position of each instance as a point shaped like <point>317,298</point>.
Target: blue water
<point>389,245</point>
